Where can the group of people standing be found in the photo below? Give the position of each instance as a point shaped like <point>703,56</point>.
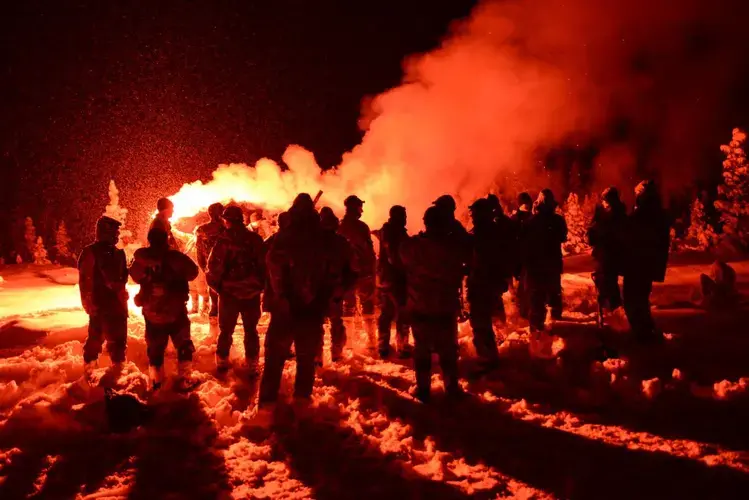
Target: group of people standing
<point>317,268</point>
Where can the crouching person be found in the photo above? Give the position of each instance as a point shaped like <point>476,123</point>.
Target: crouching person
<point>102,272</point>
<point>163,275</point>
<point>299,267</point>
<point>433,261</point>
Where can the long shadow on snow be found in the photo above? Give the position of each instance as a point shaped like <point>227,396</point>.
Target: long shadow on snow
<point>558,462</point>
<point>333,462</point>
<point>84,454</point>
<point>175,456</point>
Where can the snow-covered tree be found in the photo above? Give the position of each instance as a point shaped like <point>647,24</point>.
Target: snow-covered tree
<point>577,226</point>
<point>62,243</point>
<point>700,234</point>
<point>733,194</point>
<point>29,235</point>
<point>116,212</point>
<point>40,253</point>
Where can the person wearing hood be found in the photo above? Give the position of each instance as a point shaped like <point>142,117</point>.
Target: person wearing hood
<point>606,237</point>
<point>303,270</point>
<point>447,207</point>
<point>434,264</point>
<point>392,285</point>
<point>236,271</point>
<point>163,275</point>
<point>343,276</point>
<point>162,221</point>
<point>545,232</point>
<point>647,243</point>
<point>207,236</point>
<point>363,263</point>
<point>102,271</point>
<point>519,218</point>
<point>487,281</point>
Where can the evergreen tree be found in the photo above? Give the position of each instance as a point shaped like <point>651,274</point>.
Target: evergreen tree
<point>577,226</point>
<point>40,253</point>
<point>733,194</point>
<point>29,235</point>
<point>116,212</point>
<point>62,243</point>
<point>700,234</point>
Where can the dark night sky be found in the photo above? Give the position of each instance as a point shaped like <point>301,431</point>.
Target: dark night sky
<point>155,94</point>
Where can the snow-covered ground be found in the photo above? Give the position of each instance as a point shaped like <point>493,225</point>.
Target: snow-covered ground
<point>658,422</point>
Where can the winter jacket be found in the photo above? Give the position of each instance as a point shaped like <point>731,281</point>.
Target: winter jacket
<point>606,236</point>
<point>541,245</point>
<point>434,273</point>
<point>304,271</point>
<point>163,275</point>
<point>161,222</point>
<point>236,265</point>
<point>207,235</point>
<point>389,266</point>
<point>490,263</point>
<point>363,254</point>
<point>647,241</point>
<point>102,269</point>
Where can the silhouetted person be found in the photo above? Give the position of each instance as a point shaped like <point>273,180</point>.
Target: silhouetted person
<point>163,275</point>
<point>447,206</point>
<point>487,281</point>
<point>606,236</point>
<point>342,275</point>
<point>363,263</point>
<point>236,270</point>
<point>519,218</point>
<point>102,271</point>
<point>434,263</point>
<point>647,246</point>
<point>544,234</point>
<point>284,221</point>
<point>299,264</point>
<point>719,288</point>
<point>207,236</point>
<point>392,285</point>
<point>161,221</point>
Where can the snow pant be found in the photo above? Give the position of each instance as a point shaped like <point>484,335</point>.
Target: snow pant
<point>485,304</point>
<point>364,290</point>
<point>607,286</point>
<point>636,293</point>
<point>109,326</point>
<point>337,330</point>
<point>157,339</point>
<point>544,289</point>
<point>438,334</point>
<point>306,335</point>
<point>523,299</point>
<point>213,312</point>
<point>391,306</point>
<point>228,314</point>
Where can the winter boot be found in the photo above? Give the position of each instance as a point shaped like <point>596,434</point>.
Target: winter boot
<point>404,349</point>
<point>185,380</point>
<point>222,364</point>
<point>541,345</point>
<point>156,377</point>
<point>263,416</point>
<point>88,371</point>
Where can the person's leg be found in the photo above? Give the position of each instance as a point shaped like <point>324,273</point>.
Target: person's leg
<point>422,359</point>
<point>637,306</point>
<point>95,339</point>
<point>250,310</point>
<point>446,343</point>
<point>337,330</point>
<point>213,313</point>
<point>481,323</point>
<point>307,336</point>
<point>384,322</point>
<point>182,339</point>
<point>366,289</point>
<point>555,296</point>
<point>278,341</point>
<point>115,331</point>
<point>228,315</point>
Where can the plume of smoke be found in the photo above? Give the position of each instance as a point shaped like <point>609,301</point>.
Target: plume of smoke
<point>515,79</point>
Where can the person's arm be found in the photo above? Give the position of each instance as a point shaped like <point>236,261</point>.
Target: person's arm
<point>216,262</point>
<point>185,267</point>
<point>138,270</point>
<point>86,270</point>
